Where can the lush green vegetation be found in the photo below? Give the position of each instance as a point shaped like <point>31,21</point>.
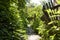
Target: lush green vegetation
<point>15,16</point>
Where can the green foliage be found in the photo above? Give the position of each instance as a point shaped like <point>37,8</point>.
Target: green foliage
<point>11,23</point>
<point>58,1</point>
<point>15,16</point>
<point>52,33</point>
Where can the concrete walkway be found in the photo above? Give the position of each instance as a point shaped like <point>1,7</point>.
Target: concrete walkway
<point>34,37</point>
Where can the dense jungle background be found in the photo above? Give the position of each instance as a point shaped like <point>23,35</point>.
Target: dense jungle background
<point>20,18</point>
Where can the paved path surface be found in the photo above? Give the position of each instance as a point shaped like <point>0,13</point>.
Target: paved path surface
<point>34,37</point>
